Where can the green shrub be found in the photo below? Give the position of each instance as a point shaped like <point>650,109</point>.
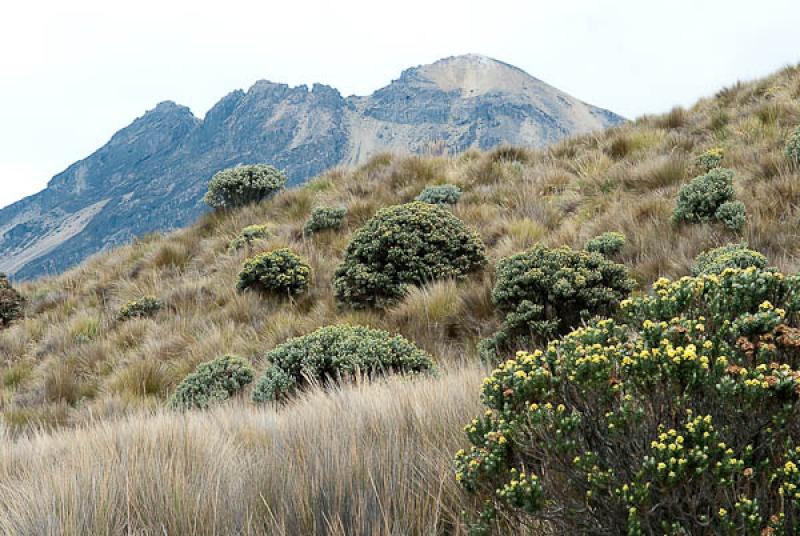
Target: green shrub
<point>212,382</point>
<point>445,194</point>
<point>732,215</point>
<point>546,292</point>
<point>608,244</point>
<point>679,419</point>
<point>717,260</point>
<point>279,272</point>
<point>792,149</point>
<point>405,245</point>
<point>709,159</point>
<point>12,304</point>
<point>336,352</point>
<point>248,236</point>
<point>141,308</point>
<point>242,185</point>
<point>699,200</point>
<point>323,218</point>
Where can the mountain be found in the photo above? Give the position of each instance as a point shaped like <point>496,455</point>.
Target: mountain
<point>153,173</point>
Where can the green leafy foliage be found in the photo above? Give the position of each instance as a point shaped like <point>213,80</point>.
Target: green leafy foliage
<point>405,245</point>
<point>12,304</point>
<point>324,218</point>
<point>546,292</point>
<point>679,418</point>
<point>699,200</point>
<point>242,185</point>
<point>732,215</point>
<point>280,272</point>
<point>709,159</point>
<point>608,244</point>
<point>212,382</point>
<point>248,236</point>
<point>444,194</point>
<point>792,149</point>
<point>142,308</point>
<point>717,260</point>
<point>336,352</point>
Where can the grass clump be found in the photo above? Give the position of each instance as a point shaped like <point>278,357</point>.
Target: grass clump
<point>247,237</point>
<point>243,185</point>
<point>333,353</point>
<point>405,245</point>
<point>444,194</point>
<point>677,419</point>
<point>281,272</point>
<point>145,307</point>
<point>324,218</point>
<point>12,304</point>
<point>717,260</point>
<point>546,292</point>
<point>607,244</point>
<point>703,198</point>
<point>212,382</point>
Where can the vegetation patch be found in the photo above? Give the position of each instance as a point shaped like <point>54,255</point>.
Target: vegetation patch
<point>281,272</point>
<point>444,194</point>
<point>247,237</point>
<point>12,304</point>
<point>212,382</point>
<point>324,218</point>
<point>710,197</point>
<point>243,185</point>
<point>717,260</point>
<point>792,149</point>
<point>141,308</point>
<point>607,244</point>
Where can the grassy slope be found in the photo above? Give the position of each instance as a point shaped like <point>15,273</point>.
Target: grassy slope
<point>70,362</point>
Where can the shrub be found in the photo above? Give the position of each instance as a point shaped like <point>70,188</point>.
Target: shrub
<point>212,382</point>
<point>608,244</point>
<point>405,245</point>
<point>12,303</point>
<point>732,215</point>
<point>334,352</point>
<point>699,200</point>
<point>546,292</point>
<point>141,308</point>
<point>323,218</point>
<point>679,419</point>
<point>792,149</point>
<point>248,236</point>
<point>717,260</point>
<point>709,159</point>
<point>445,194</point>
<point>280,272</point>
<point>242,185</point>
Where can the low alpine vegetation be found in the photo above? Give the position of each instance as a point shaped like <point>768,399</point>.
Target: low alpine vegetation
<point>212,382</point>
<point>792,148</point>
<point>405,245</point>
<point>247,237</point>
<point>12,304</point>
<point>444,194</point>
<point>243,185</point>
<point>142,308</point>
<point>324,218</point>
<point>607,244</point>
<point>732,215</point>
<point>709,159</point>
<point>710,197</point>
<point>717,260</point>
<point>280,272</point>
<point>546,292</point>
<point>333,353</point>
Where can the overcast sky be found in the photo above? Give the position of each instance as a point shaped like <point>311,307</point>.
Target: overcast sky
<point>72,73</point>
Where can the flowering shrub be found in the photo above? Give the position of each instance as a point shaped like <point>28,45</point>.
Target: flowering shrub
<point>547,292</point>
<point>792,149</point>
<point>242,185</point>
<point>699,200</point>
<point>608,244</point>
<point>405,245</point>
<point>679,418</point>
<point>444,194</point>
<point>709,159</point>
<point>334,352</point>
<point>212,382</point>
<point>323,218</point>
<point>11,302</point>
<point>141,308</point>
<point>715,261</point>
<point>247,237</point>
<point>732,215</point>
<point>280,272</point>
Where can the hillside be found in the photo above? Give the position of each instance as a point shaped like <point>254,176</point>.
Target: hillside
<point>152,174</point>
<point>94,388</point>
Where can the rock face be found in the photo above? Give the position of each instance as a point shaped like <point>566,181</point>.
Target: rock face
<point>153,173</point>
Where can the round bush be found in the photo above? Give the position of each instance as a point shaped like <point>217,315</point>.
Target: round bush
<point>546,292</point>
<point>732,215</point>
<point>141,308</point>
<point>248,236</point>
<point>405,245</point>
<point>792,149</point>
<point>212,382</point>
<point>699,200</point>
<point>336,352</point>
<point>681,419</point>
<point>444,194</point>
<point>324,218</point>
<point>608,244</point>
<point>710,159</point>
<point>278,272</point>
<point>242,185</point>
<point>12,304</point>
<point>717,260</point>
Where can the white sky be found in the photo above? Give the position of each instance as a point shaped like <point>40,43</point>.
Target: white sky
<point>73,72</point>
